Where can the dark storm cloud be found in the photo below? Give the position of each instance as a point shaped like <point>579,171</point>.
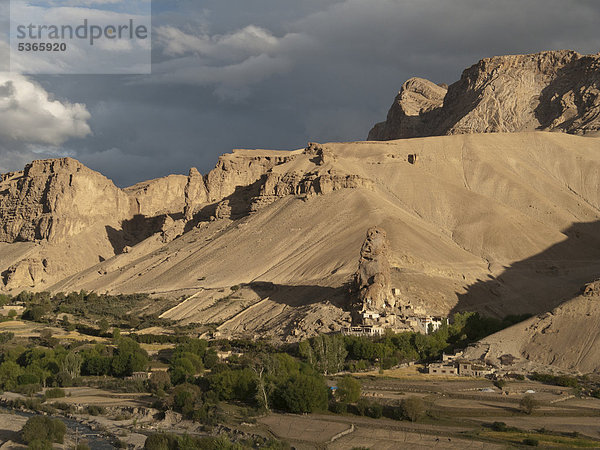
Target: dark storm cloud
<point>273,74</point>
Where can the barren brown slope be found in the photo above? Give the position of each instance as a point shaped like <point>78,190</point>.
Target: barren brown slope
<point>471,208</point>
<point>567,338</point>
<point>58,217</point>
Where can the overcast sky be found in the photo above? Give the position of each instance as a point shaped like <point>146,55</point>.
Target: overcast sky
<point>268,74</point>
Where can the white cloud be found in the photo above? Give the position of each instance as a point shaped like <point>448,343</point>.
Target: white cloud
<point>28,114</point>
<point>230,62</point>
<point>251,40</point>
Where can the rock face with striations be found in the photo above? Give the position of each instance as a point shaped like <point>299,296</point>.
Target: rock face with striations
<point>66,207</point>
<point>372,280</point>
<point>54,199</point>
<point>549,91</point>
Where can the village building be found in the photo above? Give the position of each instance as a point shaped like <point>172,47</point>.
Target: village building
<point>448,357</point>
<point>431,324</point>
<point>468,369</point>
<point>363,330</point>
<point>380,306</point>
<point>442,368</point>
<point>455,365</point>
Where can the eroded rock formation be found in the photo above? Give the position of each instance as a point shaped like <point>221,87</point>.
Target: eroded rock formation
<point>62,204</point>
<point>551,91</point>
<point>54,199</point>
<point>372,280</point>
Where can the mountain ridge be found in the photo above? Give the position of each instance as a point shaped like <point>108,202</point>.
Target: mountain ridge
<point>267,243</point>
<point>546,91</point>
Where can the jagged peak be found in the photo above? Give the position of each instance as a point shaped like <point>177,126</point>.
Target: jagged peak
<point>555,90</point>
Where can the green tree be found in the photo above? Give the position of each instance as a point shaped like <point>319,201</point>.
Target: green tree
<point>6,337</point>
<point>210,358</point>
<point>95,364</point>
<point>128,357</point>
<point>159,382</point>
<point>260,364</point>
<point>63,379</point>
<point>34,374</point>
<point>103,325</point>
<point>326,353</point>
<point>500,384</point>
<point>161,441</point>
<point>54,393</point>
<point>348,390</point>
<point>369,408</point>
<point>234,384</point>
<point>181,370</point>
<point>9,374</point>
<point>186,398</point>
<point>302,394</point>
<point>5,299</point>
<point>34,314</point>
<point>195,346</point>
<point>43,428</point>
<point>72,364</point>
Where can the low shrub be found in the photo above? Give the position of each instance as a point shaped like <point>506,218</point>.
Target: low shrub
<point>368,408</point>
<point>338,407</point>
<point>42,428</point>
<point>499,426</point>
<point>94,410</point>
<point>55,393</point>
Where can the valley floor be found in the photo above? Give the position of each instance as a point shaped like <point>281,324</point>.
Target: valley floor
<point>461,412</point>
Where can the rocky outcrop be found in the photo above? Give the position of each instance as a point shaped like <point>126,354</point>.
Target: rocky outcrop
<point>67,208</point>
<point>592,289</point>
<point>408,115</point>
<point>160,196</point>
<point>250,181</point>
<point>240,169</point>
<point>195,193</point>
<point>25,273</point>
<point>173,194</point>
<point>373,278</point>
<point>550,91</point>
<point>309,184</point>
<point>321,180</point>
<point>54,199</point>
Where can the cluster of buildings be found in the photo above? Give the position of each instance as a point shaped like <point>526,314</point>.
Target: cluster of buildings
<point>458,366</point>
<point>403,316</point>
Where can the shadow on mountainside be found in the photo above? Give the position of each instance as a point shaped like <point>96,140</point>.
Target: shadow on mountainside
<point>552,98</point>
<point>542,282</point>
<point>296,296</point>
<point>234,206</point>
<point>136,230</point>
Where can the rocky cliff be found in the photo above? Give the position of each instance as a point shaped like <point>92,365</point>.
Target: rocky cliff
<point>550,91</point>
<point>373,278</point>
<point>54,199</point>
<point>70,209</point>
<point>469,228</point>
